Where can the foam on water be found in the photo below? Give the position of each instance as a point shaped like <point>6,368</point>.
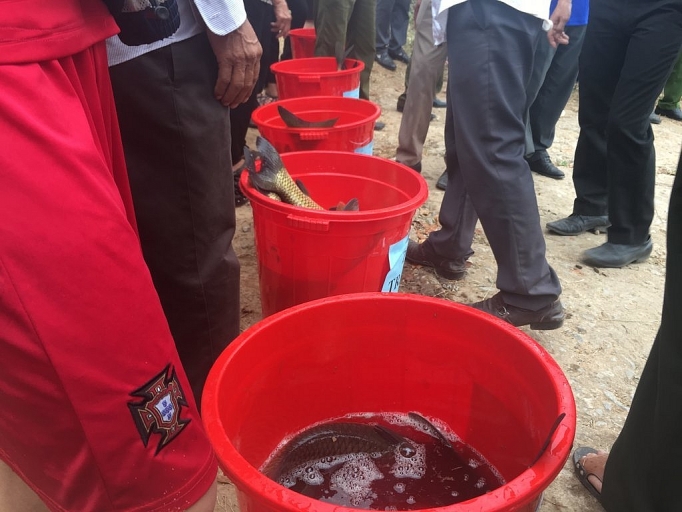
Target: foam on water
<point>311,472</point>
<point>355,478</point>
<point>394,480</point>
<point>413,466</point>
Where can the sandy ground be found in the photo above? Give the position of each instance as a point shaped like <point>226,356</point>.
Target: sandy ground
<point>612,314</point>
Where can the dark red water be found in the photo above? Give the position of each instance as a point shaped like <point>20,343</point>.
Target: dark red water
<point>431,475</point>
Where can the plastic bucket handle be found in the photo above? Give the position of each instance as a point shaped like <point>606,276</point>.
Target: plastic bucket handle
<point>314,135</point>
<point>300,222</point>
<point>309,79</point>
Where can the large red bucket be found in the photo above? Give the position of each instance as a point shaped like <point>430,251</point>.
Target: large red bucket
<point>494,386</point>
<point>354,130</point>
<point>302,42</point>
<point>306,254</point>
<point>317,76</point>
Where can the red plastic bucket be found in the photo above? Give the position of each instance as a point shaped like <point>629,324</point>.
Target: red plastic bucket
<point>306,254</point>
<point>354,130</point>
<point>317,76</point>
<point>497,388</point>
<point>302,42</point>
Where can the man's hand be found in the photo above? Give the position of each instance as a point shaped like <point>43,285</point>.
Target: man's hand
<point>561,14</point>
<point>238,54</point>
<point>282,23</point>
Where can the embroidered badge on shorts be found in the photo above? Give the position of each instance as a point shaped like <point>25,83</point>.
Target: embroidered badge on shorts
<point>159,410</point>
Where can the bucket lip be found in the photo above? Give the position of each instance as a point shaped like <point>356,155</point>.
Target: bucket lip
<point>259,113</point>
<point>303,32</point>
<point>249,479</point>
<point>282,67</point>
<point>409,205</point>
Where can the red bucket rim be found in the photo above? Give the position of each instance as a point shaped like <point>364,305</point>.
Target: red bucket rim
<point>259,115</point>
<point>305,32</point>
<point>409,205</point>
<point>283,66</point>
<point>524,486</point>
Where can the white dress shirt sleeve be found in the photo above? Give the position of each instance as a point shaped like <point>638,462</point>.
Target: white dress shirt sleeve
<point>221,16</point>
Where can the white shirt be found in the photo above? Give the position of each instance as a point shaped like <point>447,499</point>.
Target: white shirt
<point>220,16</point>
<point>439,8</point>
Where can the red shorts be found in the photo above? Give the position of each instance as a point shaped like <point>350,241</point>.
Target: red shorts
<point>96,413</point>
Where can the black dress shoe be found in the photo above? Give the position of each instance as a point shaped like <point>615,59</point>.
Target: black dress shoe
<point>576,224</point>
<point>379,125</point>
<point>674,113</point>
<point>385,61</point>
<point>542,164</point>
<point>416,167</point>
<point>442,182</point>
<point>399,55</point>
<point>550,317</point>
<point>439,103</point>
<point>610,255</point>
<point>401,102</point>
<point>420,254</point>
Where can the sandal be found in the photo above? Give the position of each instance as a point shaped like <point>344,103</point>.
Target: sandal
<point>264,99</point>
<point>582,473</point>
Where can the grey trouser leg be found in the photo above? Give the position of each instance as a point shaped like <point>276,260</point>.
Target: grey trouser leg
<point>544,53</point>
<point>556,89</point>
<point>491,48</point>
<point>400,19</point>
<point>426,67</point>
<point>383,24</point>
<point>351,22</point>
<point>176,138</point>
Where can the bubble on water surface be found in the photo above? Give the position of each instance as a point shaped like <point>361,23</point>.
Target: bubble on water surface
<point>355,477</point>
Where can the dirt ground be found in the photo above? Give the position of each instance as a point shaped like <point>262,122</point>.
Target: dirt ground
<point>612,314</point>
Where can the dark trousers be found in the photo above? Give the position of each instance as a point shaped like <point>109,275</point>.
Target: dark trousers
<point>629,50</point>
<point>491,48</point>
<point>392,18</point>
<point>643,469</point>
<point>176,138</point>
<point>557,72</point>
<point>260,15</point>
<point>350,22</point>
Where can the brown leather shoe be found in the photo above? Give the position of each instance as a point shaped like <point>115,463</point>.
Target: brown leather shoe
<point>550,317</point>
<point>420,254</point>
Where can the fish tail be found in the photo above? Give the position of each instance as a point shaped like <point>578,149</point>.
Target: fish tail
<point>338,53</point>
<point>434,430</point>
<point>352,206</point>
<point>290,119</point>
<point>268,155</point>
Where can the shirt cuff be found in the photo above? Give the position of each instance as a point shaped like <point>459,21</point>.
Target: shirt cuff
<point>221,16</point>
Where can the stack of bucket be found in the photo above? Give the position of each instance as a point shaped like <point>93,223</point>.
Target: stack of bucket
<point>332,344</point>
<point>308,254</point>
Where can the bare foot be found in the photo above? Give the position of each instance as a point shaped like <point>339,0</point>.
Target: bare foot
<point>594,464</point>
<point>271,90</point>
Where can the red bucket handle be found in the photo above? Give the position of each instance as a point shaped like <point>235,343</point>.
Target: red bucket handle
<point>301,222</point>
<point>314,135</point>
<point>309,79</point>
